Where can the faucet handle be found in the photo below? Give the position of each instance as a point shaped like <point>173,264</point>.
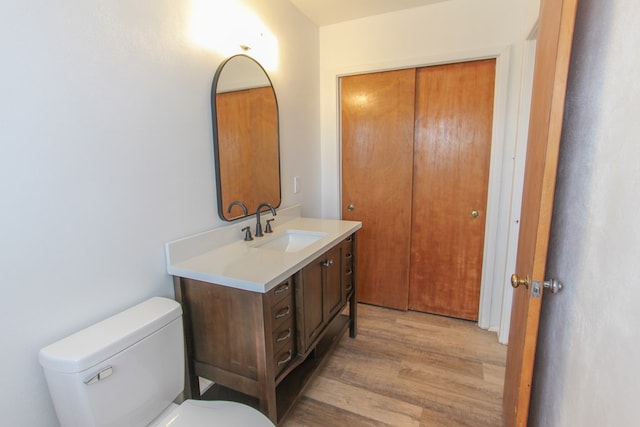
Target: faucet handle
<point>267,228</point>
<point>247,234</point>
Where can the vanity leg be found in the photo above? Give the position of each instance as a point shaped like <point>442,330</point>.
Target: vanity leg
<point>353,316</point>
<point>268,407</point>
<point>265,369</point>
<point>353,303</point>
<point>191,382</point>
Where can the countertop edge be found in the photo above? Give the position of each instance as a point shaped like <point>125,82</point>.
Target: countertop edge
<point>183,269</point>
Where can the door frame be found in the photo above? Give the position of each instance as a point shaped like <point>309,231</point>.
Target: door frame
<point>496,237</point>
<point>524,109</point>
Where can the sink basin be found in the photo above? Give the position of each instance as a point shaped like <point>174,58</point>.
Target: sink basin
<point>291,240</point>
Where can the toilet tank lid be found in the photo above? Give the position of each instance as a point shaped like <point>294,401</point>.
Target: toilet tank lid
<point>90,346</point>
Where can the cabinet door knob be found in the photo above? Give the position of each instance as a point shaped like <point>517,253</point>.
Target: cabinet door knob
<point>327,263</point>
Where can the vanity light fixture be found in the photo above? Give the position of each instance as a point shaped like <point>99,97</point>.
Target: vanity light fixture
<point>229,28</point>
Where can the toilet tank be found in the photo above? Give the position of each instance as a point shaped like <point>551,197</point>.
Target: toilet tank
<point>123,371</point>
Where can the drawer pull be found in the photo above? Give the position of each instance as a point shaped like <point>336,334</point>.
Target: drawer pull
<point>281,289</point>
<point>350,238</point>
<point>349,255</point>
<point>285,336</point>
<point>348,289</point>
<point>348,272</point>
<point>286,359</point>
<point>285,311</point>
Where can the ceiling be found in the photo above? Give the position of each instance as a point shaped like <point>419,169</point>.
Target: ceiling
<point>327,12</point>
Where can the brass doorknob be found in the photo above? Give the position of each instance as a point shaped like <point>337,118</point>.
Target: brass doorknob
<point>351,207</point>
<point>475,214</point>
<point>517,281</point>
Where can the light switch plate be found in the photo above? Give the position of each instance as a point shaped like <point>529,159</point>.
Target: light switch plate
<point>296,184</point>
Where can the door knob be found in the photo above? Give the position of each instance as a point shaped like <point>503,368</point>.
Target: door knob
<point>351,207</point>
<point>475,214</point>
<point>517,281</point>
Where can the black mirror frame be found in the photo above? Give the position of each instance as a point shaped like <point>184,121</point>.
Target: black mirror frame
<point>216,148</point>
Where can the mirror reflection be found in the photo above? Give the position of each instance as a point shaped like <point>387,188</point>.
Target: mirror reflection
<point>246,138</point>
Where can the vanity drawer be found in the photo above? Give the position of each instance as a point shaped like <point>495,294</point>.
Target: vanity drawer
<point>283,290</point>
<point>283,336</point>
<point>348,281</point>
<point>347,274</point>
<point>348,253</point>
<point>282,312</point>
<point>283,358</point>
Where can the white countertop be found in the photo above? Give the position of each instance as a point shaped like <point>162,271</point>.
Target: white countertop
<point>221,256</point>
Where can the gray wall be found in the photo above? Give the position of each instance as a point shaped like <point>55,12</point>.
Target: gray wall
<point>587,370</point>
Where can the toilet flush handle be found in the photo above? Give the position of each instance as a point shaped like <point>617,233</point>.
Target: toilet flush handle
<point>104,373</point>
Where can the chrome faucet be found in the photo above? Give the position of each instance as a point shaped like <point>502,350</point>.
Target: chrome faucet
<point>238,203</point>
<point>258,225</point>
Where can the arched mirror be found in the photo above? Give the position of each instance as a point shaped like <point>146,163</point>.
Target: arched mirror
<point>245,137</point>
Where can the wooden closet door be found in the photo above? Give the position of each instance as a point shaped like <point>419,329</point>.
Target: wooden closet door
<point>377,158</point>
<point>454,115</point>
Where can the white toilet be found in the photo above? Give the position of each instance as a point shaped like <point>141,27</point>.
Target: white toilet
<point>126,371</point>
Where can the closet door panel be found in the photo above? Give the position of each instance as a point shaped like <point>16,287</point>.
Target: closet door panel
<point>453,121</point>
<point>377,156</point>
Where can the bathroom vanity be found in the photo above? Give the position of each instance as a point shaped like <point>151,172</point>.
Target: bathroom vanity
<point>261,316</point>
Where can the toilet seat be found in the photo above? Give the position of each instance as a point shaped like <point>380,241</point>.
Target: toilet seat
<point>212,413</point>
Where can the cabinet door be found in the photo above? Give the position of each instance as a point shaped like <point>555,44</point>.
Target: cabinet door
<point>333,273</point>
<point>310,304</point>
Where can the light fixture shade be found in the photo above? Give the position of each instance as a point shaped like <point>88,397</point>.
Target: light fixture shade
<point>228,28</point>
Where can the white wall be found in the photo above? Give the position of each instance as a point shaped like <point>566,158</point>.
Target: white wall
<point>447,31</point>
<point>107,154</point>
<point>586,371</point>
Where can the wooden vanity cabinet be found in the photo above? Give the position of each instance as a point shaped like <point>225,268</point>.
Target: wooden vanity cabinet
<point>267,346</point>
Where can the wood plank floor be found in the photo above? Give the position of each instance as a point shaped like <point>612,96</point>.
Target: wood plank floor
<point>407,369</point>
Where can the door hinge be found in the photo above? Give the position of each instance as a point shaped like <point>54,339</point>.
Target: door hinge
<point>553,285</point>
